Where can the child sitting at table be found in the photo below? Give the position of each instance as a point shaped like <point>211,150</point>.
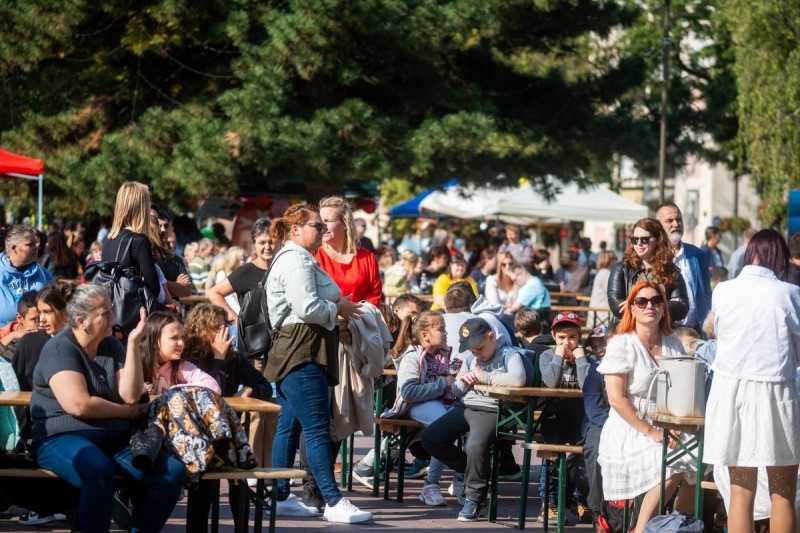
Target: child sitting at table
<point>27,320</point>
<point>564,419</point>
<point>528,329</point>
<point>424,383</point>
<point>595,404</point>
<point>489,363</point>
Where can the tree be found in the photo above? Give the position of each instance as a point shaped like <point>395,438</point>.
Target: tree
<point>196,97</point>
<point>767,47</point>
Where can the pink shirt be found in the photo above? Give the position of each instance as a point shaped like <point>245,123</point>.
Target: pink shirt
<point>188,375</point>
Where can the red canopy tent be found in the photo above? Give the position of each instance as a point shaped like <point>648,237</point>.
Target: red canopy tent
<point>18,166</point>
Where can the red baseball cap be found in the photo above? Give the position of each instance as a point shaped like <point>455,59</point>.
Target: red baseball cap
<point>566,318</point>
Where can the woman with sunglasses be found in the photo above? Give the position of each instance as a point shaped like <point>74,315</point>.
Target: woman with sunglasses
<point>648,258</point>
<point>500,287</point>
<point>630,447</point>
<point>303,360</point>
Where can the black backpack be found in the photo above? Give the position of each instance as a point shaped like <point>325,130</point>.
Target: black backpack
<point>255,329</point>
<point>127,290</point>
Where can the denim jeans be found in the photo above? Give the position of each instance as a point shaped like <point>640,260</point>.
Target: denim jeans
<point>90,459</point>
<point>304,398</point>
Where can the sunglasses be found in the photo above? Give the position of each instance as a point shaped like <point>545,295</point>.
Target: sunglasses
<point>319,226</point>
<point>641,302</point>
<point>643,240</point>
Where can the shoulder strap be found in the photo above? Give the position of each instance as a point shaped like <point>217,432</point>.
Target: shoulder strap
<point>127,248</point>
<point>285,313</point>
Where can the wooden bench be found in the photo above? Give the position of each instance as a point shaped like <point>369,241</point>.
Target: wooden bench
<point>394,426</point>
<point>554,452</point>
<point>240,476</point>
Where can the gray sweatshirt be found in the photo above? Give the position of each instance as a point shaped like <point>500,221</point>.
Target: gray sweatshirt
<point>496,373</point>
<point>557,373</point>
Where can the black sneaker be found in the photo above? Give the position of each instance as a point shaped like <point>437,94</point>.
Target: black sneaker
<point>312,497</point>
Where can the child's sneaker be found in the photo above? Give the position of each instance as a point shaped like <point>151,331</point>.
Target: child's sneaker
<point>552,516</point>
<point>345,512</point>
<point>470,512</point>
<point>431,495</point>
<point>458,488</point>
<point>364,474</point>
<point>418,468</point>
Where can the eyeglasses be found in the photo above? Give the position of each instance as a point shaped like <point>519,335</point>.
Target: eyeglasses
<point>319,226</point>
<point>641,302</point>
<point>643,240</point>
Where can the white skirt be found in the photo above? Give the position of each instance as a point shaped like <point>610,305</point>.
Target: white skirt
<point>752,423</point>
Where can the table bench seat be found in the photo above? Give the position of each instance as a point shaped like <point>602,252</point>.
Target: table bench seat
<point>550,451</point>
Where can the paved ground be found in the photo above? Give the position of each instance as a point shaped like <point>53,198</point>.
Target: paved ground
<point>411,515</point>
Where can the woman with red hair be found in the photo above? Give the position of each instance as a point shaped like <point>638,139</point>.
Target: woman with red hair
<point>630,447</point>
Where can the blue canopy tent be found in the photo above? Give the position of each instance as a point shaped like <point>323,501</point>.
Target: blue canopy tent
<point>410,208</point>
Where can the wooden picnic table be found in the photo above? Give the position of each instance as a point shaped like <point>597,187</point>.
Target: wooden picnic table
<point>516,407</point>
<point>674,426</point>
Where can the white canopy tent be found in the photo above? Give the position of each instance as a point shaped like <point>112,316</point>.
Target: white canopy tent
<point>522,205</point>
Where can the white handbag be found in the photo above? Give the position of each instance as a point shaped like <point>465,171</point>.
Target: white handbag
<point>680,387</point>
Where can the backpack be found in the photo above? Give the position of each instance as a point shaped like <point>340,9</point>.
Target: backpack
<point>533,377</point>
<point>127,290</point>
<point>255,329</point>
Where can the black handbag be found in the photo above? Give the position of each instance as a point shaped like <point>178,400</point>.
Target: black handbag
<point>255,329</point>
<point>127,290</point>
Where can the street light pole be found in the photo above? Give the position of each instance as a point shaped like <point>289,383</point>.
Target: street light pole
<point>662,151</point>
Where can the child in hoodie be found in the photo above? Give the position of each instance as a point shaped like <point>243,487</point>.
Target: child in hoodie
<point>424,383</point>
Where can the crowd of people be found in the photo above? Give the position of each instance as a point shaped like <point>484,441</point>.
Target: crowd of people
<point>447,319</point>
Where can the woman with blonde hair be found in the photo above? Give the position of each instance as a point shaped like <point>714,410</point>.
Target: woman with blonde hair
<point>401,278</point>
<point>232,259</point>
<point>500,287</point>
<point>129,241</point>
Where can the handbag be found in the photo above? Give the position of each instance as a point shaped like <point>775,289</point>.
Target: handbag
<point>255,330</point>
<point>680,387</point>
<point>674,523</point>
<point>127,290</point>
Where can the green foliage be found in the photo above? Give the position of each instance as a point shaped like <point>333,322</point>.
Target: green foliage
<point>195,97</point>
<point>767,46</point>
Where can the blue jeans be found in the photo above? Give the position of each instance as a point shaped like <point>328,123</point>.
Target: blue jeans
<point>90,459</point>
<point>304,398</point>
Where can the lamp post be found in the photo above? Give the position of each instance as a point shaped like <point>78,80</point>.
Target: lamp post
<point>662,150</point>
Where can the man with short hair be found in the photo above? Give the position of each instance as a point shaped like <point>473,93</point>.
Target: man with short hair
<point>200,265</point>
<point>475,412</point>
<point>692,263</point>
<point>364,241</point>
<point>713,253</point>
<point>736,261</point>
<point>179,284</point>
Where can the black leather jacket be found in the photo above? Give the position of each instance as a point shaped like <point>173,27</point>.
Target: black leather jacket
<point>623,277</point>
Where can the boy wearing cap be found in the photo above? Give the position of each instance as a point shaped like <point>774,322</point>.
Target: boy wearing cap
<point>564,420</point>
<point>475,412</point>
<point>595,404</point>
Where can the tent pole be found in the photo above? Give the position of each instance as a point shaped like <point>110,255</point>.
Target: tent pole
<point>39,216</point>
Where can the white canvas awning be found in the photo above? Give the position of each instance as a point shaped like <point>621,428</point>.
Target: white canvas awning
<point>523,205</point>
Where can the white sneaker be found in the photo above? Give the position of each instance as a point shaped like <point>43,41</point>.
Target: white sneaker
<point>432,495</point>
<point>34,519</point>
<point>346,513</point>
<point>292,506</point>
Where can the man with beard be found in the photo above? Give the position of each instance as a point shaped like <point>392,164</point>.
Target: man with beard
<point>692,263</point>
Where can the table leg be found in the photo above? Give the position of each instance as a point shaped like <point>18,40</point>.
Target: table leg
<point>376,458</point>
<point>526,463</point>
<point>273,506</point>
<point>545,512</point>
<point>244,506</point>
<point>401,465</point>
<point>350,463</point>
<point>562,490</point>
<point>261,493</point>
<point>343,458</point>
<point>493,487</point>
<point>698,494</point>
<point>664,450</point>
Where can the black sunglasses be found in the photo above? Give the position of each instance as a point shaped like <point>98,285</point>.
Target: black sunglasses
<point>655,301</point>
<point>643,240</point>
<point>319,226</point>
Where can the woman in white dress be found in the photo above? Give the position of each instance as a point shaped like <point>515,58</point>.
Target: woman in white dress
<point>753,409</point>
<point>630,447</point>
